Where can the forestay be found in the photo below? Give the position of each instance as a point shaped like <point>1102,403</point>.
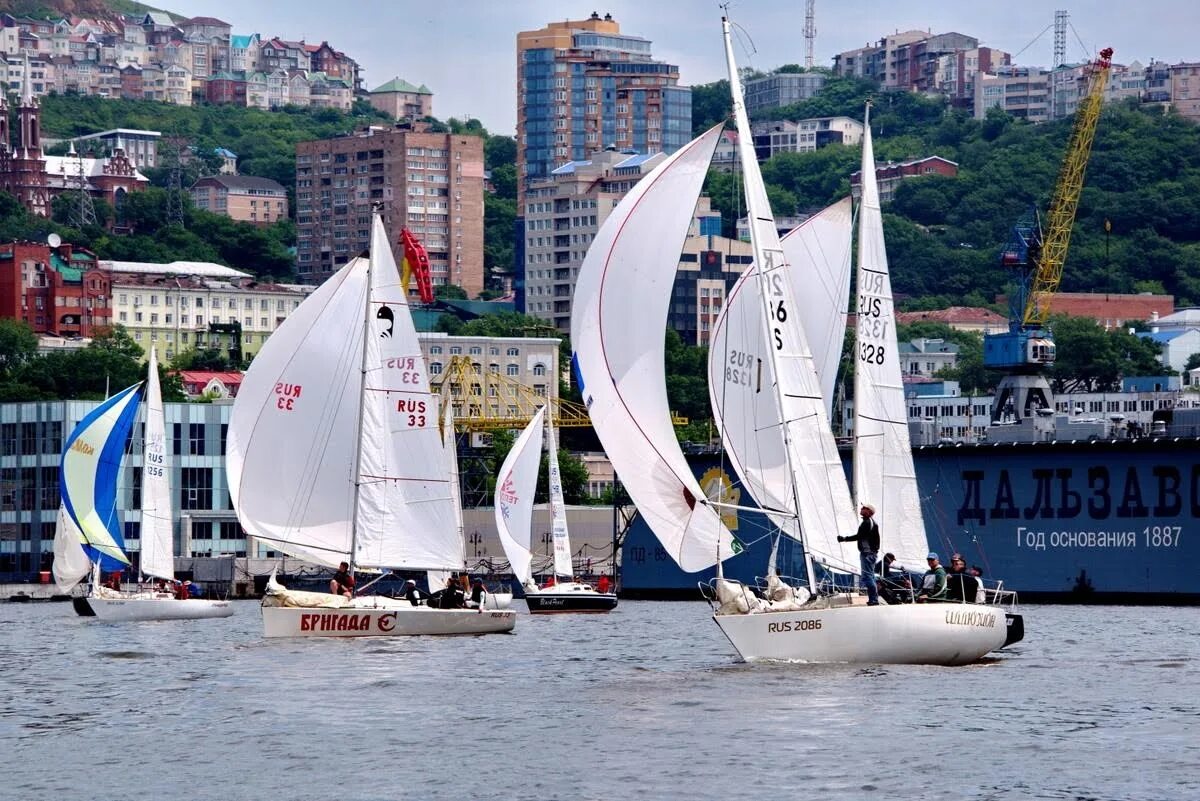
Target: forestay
<point>618,319</point>
<point>884,475</point>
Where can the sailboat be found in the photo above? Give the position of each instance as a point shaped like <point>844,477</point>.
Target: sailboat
<point>88,537</point>
<point>515,487</point>
<point>334,455</point>
<point>796,479</point>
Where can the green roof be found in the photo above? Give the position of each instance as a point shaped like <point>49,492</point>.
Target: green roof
<point>398,84</point>
<point>60,266</point>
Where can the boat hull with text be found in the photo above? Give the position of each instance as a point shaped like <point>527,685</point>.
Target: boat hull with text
<point>383,620</point>
<point>569,597</point>
<point>1110,521</point>
<point>926,634</point>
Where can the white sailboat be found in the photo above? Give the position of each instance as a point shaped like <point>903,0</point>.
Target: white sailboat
<point>515,488</point>
<point>334,454</point>
<point>88,529</point>
<point>798,481</point>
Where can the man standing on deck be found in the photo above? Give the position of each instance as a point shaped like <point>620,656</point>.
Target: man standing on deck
<point>868,550</point>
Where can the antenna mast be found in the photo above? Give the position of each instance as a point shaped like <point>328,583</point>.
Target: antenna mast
<point>1060,37</point>
<point>84,212</point>
<point>810,32</point>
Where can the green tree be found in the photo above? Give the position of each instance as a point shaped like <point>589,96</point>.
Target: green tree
<point>18,345</point>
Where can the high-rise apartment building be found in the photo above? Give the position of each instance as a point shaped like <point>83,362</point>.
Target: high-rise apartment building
<point>429,183</point>
<point>583,86</point>
<point>562,214</point>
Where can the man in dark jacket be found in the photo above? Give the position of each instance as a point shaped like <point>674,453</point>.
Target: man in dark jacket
<point>868,550</point>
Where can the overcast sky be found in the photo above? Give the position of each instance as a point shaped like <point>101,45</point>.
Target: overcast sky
<point>465,50</point>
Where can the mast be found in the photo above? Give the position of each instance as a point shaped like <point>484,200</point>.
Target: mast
<point>362,393</point>
<point>768,258</point>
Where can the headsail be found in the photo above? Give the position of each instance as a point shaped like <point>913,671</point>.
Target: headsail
<point>821,494</point>
<point>883,466</point>
<point>157,529</point>
<point>740,374</point>
<point>293,454</point>
<point>558,508</point>
<point>515,486</point>
<point>71,565</point>
<point>88,471</point>
<point>618,322</point>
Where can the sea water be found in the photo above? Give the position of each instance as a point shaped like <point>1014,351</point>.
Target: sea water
<point>647,702</point>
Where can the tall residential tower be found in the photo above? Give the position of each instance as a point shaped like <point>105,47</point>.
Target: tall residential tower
<point>584,87</point>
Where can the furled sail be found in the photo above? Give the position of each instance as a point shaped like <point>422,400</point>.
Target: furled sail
<point>884,475</point>
<point>515,486</point>
<point>88,472</point>
<point>618,320</point>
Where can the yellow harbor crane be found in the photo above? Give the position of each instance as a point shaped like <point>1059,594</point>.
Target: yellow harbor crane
<point>1037,259</point>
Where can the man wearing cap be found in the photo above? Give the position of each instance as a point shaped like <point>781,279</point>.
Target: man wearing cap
<point>933,585</point>
<point>412,593</point>
<point>868,549</point>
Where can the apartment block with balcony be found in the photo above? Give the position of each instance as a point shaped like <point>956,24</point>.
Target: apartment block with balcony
<point>1023,92</point>
<point>261,201</point>
<point>709,266</point>
<point>402,100</point>
<point>804,136</point>
<point>890,175</point>
<point>429,183</point>
<point>562,215</point>
<point>493,369</point>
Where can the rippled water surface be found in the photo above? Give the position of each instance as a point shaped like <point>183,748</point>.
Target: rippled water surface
<point>648,702</point>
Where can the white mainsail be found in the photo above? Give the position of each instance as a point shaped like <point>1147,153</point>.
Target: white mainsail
<point>305,475</point>
<point>558,508</point>
<point>71,564</point>
<point>515,486</point>
<point>618,320</point>
<point>157,529</point>
<point>739,370</point>
<point>883,465</point>
<point>820,494</point>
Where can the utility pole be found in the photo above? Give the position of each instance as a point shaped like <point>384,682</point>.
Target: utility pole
<point>84,212</point>
<point>810,32</point>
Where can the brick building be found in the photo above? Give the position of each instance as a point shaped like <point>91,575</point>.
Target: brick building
<point>429,183</point>
<point>261,201</point>
<point>891,174</point>
<point>55,290</point>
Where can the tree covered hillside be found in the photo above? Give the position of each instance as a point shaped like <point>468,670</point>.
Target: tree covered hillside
<point>944,234</point>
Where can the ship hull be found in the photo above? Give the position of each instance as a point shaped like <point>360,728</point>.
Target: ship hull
<point>1058,522</point>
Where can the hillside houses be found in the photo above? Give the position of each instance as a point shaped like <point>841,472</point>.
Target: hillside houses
<point>156,57</point>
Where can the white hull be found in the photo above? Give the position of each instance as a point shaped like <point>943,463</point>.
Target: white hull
<point>116,610</point>
<point>385,618</point>
<point>922,634</point>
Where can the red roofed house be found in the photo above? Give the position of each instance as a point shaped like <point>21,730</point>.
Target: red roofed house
<point>891,174</point>
<point>210,384</point>
<point>963,318</point>
<point>1110,310</point>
